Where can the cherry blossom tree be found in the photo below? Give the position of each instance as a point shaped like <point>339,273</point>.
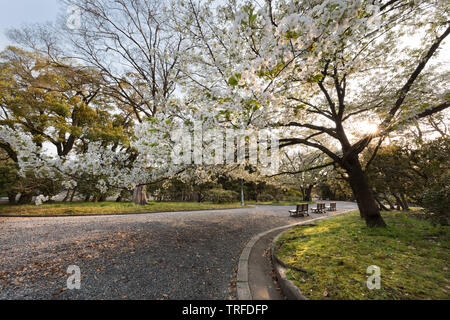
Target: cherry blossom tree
<point>303,170</point>
<point>334,75</point>
<point>338,76</point>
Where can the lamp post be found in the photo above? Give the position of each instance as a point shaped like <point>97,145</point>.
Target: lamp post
<point>242,193</point>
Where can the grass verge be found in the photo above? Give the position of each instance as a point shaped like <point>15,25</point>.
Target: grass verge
<point>412,253</point>
<point>79,208</point>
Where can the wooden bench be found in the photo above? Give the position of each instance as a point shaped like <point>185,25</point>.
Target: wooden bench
<point>332,207</point>
<point>320,208</point>
<point>301,210</point>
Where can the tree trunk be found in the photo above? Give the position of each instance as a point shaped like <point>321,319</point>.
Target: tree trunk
<point>73,194</point>
<point>391,205</point>
<point>25,198</point>
<point>307,194</point>
<point>400,205</point>
<point>67,196</point>
<point>366,202</point>
<point>405,203</point>
<point>140,195</point>
<point>381,205</point>
<point>12,197</point>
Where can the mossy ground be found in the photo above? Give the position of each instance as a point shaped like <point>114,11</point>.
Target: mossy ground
<point>76,208</point>
<point>412,253</point>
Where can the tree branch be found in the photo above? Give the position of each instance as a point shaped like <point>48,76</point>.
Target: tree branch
<point>407,87</point>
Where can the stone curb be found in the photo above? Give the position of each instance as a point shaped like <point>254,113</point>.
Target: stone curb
<point>242,285</point>
<point>289,289</point>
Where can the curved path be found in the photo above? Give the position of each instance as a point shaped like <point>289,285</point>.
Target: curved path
<point>176,255</point>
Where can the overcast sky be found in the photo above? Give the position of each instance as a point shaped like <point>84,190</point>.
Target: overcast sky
<point>14,13</point>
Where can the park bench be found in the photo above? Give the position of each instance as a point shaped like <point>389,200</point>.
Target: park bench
<point>320,208</point>
<point>301,210</point>
<point>332,207</point>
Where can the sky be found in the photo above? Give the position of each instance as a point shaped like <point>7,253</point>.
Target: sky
<point>15,13</point>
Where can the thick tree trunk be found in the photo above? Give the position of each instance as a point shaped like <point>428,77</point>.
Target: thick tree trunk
<point>25,198</point>
<point>307,193</point>
<point>140,195</point>
<point>12,197</point>
<point>366,202</point>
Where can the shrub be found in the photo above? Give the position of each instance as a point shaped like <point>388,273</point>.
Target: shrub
<point>221,195</point>
<point>266,197</point>
<point>293,195</point>
<point>437,198</point>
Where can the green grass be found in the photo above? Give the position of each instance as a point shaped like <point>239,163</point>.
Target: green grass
<point>76,208</point>
<point>412,253</point>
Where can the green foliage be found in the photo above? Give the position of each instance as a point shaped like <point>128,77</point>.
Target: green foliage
<point>12,184</point>
<point>88,188</point>
<point>9,177</point>
<point>249,10</point>
<point>266,197</point>
<point>412,254</point>
<point>56,102</point>
<point>418,173</point>
<point>233,81</point>
<point>221,196</point>
<point>293,195</point>
<point>436,198</point>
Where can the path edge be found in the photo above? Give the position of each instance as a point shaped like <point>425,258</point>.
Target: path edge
<point>242,279</point>
<point>289,289</point>
<point>112,214</point>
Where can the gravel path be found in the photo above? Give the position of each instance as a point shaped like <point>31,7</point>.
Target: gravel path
<point>177,255</point>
